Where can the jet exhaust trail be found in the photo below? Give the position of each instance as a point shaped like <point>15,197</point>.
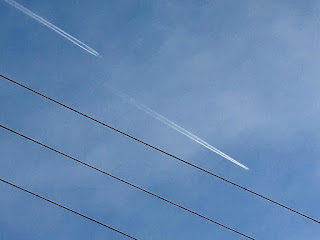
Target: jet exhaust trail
<point>53,27</point>
<point>179,129</point>
<point>129,99</point>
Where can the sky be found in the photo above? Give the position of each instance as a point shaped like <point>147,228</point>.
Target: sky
<point>242,75</point>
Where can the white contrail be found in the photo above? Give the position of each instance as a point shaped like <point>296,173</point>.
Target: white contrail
<point>179,129</point>
<point>53,27</point>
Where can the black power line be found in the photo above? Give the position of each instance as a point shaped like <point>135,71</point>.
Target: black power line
<point>162,151</point>
<point>68,209</point>
<point>125,182</point>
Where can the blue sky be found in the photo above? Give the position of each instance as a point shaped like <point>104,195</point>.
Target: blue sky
<point>241,75</point>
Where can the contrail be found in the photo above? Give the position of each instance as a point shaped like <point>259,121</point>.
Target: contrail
<point>53,27</point>
<point>131,100</point>
<point>179,128</point>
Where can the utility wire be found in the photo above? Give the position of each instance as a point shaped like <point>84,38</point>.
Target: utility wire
<point>66,208</point>
<point>125,182</point>
<point>162,151</point>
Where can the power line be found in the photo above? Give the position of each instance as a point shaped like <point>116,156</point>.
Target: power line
<point>162,151</point>
<point>68,209</point>
<point>125,182</point>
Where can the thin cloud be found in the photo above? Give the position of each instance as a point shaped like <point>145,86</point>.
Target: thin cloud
<point>179,129</point>
<point>53,27</point>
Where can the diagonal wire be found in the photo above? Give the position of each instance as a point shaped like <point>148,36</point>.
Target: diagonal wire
<point>125,182</point>
<point>162,151</point>
<point>66,208</point>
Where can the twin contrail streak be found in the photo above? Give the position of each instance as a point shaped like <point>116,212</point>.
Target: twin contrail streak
<point>53,27</point>
<point>179,129</point>
<point>131,100</point>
